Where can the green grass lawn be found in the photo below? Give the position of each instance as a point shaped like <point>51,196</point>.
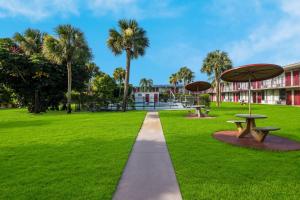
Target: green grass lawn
<point>60,156</point>
<point>209,169</point>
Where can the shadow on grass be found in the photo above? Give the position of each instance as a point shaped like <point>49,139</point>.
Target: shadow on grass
<point>23,124</point>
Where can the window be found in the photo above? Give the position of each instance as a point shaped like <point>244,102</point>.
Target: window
<point>282,94</point>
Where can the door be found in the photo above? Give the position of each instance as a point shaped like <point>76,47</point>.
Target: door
<point>254,97</point>
<point>147,98</point>
<point>259,97</point>
<point>155,98</point>
<point>288,79</point>
<point>297,97</point>
<point>288,98</point>
<point>296,78</point>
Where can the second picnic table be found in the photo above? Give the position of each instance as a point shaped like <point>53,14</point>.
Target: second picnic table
<point>199,110</point>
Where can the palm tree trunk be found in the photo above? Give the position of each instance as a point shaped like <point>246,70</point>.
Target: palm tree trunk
<point>36,102</point>
<point>120,88</point>
<point>175,88</point>
<point>218,92</point>
<point>69,67</point>
<point>125,97</point>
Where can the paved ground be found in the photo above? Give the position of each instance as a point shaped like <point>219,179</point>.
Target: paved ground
<point>149,174</point>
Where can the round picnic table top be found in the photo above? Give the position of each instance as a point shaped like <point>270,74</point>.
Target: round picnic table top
<point>252,116</point>
<point>198,106</point>
<point>198,86</point>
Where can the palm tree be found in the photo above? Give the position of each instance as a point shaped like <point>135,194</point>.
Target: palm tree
<point>174,79</point>
<point>119,76</point>
<point>214,65</point>
<point>150,84</point>
<point>146,84</point>
<point>67,48</point>
<point>185,75</point>
<point>31,43</point>
<point>133,40</point>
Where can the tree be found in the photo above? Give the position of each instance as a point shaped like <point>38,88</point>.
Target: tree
<point>174,79</point>
<point>131,39</point>
<point>214,65</point>
<point>119,76</point>
<point>23,74</point>
<point>146,84</point>
<point>103,88</point>
<point>93,70</point>
<point>31,44</point>
<point>68,48</point>
<point>185,75</point>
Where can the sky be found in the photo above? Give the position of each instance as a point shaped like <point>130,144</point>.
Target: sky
<point>181,33</point>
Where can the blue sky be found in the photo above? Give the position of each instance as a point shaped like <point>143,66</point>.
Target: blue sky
<point>181,33</point>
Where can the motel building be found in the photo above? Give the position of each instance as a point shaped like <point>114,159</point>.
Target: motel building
<point>153,95</point>
<point>284,89</point>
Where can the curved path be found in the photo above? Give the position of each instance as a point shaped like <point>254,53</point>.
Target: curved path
<point>149,173</point>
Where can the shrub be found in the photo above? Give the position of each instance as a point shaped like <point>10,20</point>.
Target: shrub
<point>205,100</point>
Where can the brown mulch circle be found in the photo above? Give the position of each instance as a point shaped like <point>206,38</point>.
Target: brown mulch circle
<point>272,142</point>
<point>195,116</point>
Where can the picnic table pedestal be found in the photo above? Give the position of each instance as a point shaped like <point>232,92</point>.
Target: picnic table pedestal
<point>250,126</point>
<point>198,109</point>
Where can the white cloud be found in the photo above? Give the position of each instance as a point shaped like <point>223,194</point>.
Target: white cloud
<point>41,9</point>
<point>276,42</point>
<point>135,8</point>
<point>291,6</point>
<point>37,9</point>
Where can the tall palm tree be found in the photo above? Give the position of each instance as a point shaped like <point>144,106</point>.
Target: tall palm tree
<point>31,43</point>
<point>67,48</point>
<point>131,39</point>
<point>174,79</point>
<point>119,76</point>
<point>186,76</point>
<point>214,65</point>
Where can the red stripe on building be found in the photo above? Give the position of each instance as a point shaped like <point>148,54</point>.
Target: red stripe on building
<point>297,97</point>
<point>296,78</point>
<point>287,78</point>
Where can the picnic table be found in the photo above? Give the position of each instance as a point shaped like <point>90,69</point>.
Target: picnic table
<point>198,109</point>
<point>259,133</point>
<point>250,123</point>
<point>185,103</point>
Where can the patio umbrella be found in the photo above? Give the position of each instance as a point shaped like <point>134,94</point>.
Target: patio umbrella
<point>198,86</point>
<point>251,73</point>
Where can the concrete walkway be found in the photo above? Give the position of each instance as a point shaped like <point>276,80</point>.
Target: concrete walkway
<point>149,174</point>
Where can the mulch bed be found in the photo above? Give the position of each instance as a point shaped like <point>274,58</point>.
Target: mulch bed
<point>272,142</point>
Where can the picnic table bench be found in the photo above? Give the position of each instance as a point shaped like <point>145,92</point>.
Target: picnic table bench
<point>238,124</point>
<point>260,133</point>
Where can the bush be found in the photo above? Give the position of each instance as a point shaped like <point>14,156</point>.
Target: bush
<point>205,100</point>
